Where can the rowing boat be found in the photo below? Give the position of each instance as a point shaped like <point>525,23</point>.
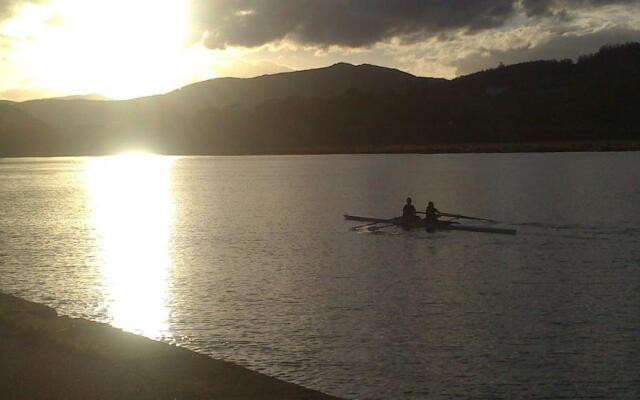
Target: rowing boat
<point>430,225</point>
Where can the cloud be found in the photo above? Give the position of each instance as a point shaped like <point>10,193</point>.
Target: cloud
<point>546,7</point>
<point>362,23</point>
<point>442,38</point>
<point>558,47</point>
<point>580,31</point>
<point>347,23</point>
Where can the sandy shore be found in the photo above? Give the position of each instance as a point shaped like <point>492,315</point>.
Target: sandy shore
<point>46,356</point>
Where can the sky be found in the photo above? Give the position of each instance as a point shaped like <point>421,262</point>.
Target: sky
<point>131,48</point>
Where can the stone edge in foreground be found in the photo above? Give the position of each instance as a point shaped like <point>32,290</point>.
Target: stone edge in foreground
<point>48,356</point>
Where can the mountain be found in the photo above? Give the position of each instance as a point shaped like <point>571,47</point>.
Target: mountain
<point>345,108</point>
<point>21,134</point>
<point>327,82</point>
<point>108,126</point>
<point>322,82</point>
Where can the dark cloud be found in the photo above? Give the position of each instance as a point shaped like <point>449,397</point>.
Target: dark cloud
<point>359,23</point>
<point>350,23</point>
<point>546,7</point>
<point>560,47</point>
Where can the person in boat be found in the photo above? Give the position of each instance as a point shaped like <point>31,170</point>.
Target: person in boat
<point>432,213</point>
<point>409,211</point>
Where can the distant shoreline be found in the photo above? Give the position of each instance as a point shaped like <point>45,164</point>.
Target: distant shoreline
<point>461,148</point>
<point>47,356</point>
<point>469,148</point>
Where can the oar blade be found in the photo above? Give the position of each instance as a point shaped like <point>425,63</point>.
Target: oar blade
<point>377,228</point>
<point>358,227</point>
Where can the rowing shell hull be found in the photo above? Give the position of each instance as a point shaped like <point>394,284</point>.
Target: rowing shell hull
<point>435,225</point>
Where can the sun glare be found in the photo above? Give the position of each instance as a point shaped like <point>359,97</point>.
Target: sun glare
<point>132,214</point>
<point>118,48</point>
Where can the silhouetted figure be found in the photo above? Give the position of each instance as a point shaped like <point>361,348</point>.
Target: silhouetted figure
<point>409,211</point>
<point>432,213</point>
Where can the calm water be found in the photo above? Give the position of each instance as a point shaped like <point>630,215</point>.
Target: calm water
<point>248,259</point>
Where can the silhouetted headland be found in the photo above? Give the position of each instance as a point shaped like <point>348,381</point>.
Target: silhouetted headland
<point>45,356</point>
<point>552,105</point>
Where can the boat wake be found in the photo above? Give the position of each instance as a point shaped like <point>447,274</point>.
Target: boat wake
<point>576,231</point>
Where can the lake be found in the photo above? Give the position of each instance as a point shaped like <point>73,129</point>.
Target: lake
<point>248,259</point>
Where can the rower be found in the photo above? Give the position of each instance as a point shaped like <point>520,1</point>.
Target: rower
<point>409,211</point>
<point>432,213</point>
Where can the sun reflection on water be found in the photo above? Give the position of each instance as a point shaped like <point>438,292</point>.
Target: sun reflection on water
<point>132,213</point>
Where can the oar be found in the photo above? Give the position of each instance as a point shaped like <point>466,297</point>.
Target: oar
<point>467,217</point>
<point>463,217</point>
<point>375,228</point>
<point>355,228</point>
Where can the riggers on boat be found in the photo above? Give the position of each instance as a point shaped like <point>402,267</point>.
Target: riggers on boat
<point>428,225</point>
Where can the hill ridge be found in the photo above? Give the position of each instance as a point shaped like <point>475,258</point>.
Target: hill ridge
<point>346,106</point>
